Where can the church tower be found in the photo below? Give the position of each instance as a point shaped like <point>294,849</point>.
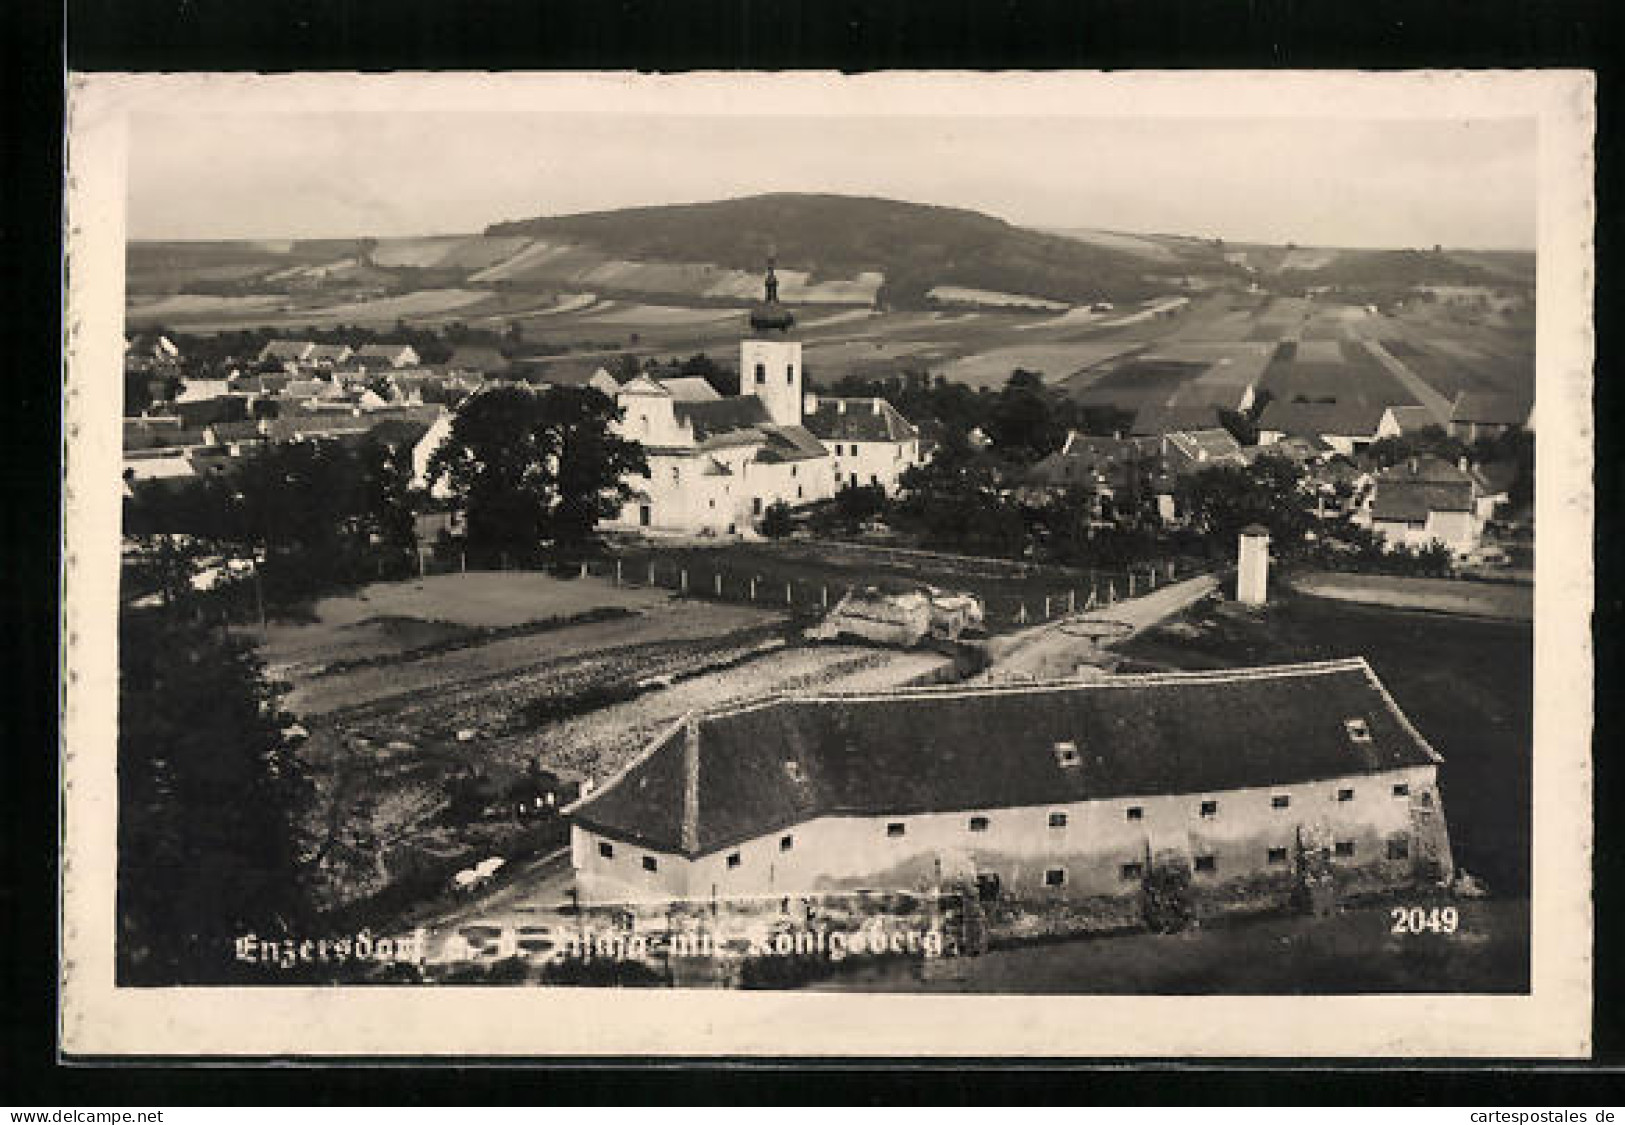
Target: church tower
<point>769,360</point>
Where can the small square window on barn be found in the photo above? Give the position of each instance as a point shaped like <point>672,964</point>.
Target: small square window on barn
<point>1357,729</point>
<point>1057,820</point>
<point>1277,855</point>
<point>1345,794</point>
<point>1343,849</point>
<point>606,850</point>
<point>1205,864</point>
<point>1280,801</point>
<point>1399,848</point>
<point>1067,756</point>
<point>786,843</point>
<point>650,863</point>
<point>1210,808</point>
<point>734,860</point>
<point>978,824</point>
<point>1134,812</point>
<point>1402,790</point>
<point>896,828</point>
<point>1130,871</point>
<point>1055,877</point>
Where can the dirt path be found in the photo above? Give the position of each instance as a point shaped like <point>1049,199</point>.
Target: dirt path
<point>1055,649</point>
<point>1436,403</point>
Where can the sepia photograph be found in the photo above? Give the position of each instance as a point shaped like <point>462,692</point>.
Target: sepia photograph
<point>922,561</point>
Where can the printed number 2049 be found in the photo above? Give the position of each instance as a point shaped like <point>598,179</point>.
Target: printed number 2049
<point>1416,920</point>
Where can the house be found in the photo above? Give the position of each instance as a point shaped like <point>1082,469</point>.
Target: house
<point>1190,451</point>
<point>1158,418</point>
<point>424,430</point>
<point>1476,415</point>
<point>315,427</point>
<point>871,442</point>
<point>372,356</point>
<point>1404,421</point>
<point>1424,501</point>
<point>1106,466</point>
<point>566,372</point>
<point>327,356</point>
<point>197,413</point>
<point>234,436</point>
<point>1070,791</point>
<point>1344,425</point>
<point>286,353</point>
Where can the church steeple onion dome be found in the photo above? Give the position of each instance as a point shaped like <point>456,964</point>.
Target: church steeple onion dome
<point>769,315</point>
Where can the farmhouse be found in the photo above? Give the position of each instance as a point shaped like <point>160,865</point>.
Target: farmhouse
<point>1425,501</point>
<point>871,442</point>
<point>1042,792</point>
<point>1401,421</point>
<point>1474,415</point>
<point>286,353</point>
<point>387,355</point>
<point>1344,425</point>
<point>1105,466</point>
<point>1190,451</point>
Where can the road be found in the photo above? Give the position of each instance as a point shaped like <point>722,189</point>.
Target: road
<point>1055,649</point>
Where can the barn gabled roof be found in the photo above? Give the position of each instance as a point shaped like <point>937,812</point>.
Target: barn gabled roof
<point>715,780</point>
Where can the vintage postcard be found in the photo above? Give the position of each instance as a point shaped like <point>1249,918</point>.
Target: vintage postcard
<point>913,564</point>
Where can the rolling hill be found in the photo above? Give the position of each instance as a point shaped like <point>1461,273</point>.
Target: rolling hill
<point>913,246</point>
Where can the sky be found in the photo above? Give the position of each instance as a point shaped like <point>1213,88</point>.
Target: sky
<point>1334,182</point>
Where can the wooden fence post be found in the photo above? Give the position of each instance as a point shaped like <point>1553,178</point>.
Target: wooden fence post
<point>718,583</point>
<point>617,572</point>
<point>1072,601</point>
<point>789,595</point>
<point>1094,598</point>
<point>1111,593</point>
<point>823,596</point>
<point>462,561</point>
<point>1021,614</point>
<point>1046,607</point>
<point>753,588</point>
<point>1131,582</point>
<point>583,570</point>
<point>1170,570</point>
<point>682,581</point>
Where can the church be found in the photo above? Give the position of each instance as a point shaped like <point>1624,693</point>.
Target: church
<point>716,464</point>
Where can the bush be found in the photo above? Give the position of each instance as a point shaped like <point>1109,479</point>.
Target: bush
<point>776,521</point>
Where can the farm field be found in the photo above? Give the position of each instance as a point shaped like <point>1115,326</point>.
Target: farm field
<point>606,668</point>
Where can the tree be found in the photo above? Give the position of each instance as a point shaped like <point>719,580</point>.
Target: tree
<point>1224,499</point>
<point>857,503</point>
<point>1430,441</point>
<point>777,522</point>
<point>533,465</point>
<point>1027,421</point>
<point>209,798</point>
<point>592,462</point>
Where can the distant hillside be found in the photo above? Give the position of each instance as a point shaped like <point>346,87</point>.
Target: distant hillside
<point>1393,269</point>
<point>915,247</point>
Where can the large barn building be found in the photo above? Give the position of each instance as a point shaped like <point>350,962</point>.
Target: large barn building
<point>1062,791</point>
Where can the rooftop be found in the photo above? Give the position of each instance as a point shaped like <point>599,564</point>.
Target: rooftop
<point>714,780</point>
<point>858,419</point>
<point>1344,418</point>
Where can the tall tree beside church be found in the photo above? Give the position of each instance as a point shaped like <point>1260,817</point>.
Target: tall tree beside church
<point>530,466</point>
<point>592,461</point>
<point>209,800</point>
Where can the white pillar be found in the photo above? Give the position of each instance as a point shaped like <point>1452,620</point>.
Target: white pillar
<point>1253,565</point>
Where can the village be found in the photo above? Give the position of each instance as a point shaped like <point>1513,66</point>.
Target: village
<point>821,658</point>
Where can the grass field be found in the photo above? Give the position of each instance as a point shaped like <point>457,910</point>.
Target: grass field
<point>1467,684</point>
